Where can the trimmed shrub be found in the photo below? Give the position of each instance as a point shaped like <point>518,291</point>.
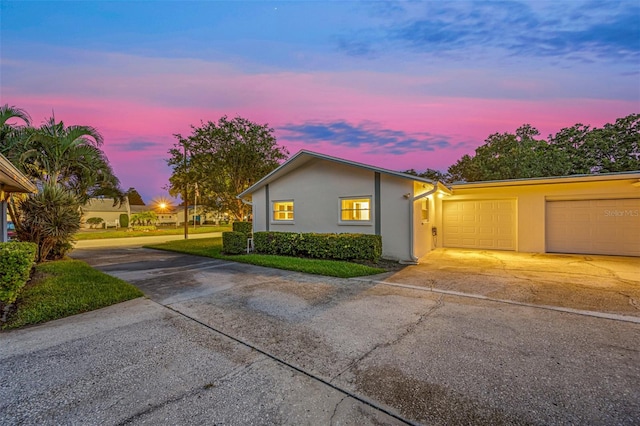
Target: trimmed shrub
<point>16,261</point>
<point>234,242</point>
<point>244,227</point>
<point>93,221</point>
<point>319,246</point>
<point>124,220</point>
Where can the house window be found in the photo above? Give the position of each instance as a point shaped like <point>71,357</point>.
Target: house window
<point>424,208</point>
<point>283,211</point>
<point>355,209</point>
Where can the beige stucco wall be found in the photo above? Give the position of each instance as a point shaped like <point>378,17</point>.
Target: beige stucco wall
<point>108,217</point>
<point>530,203</point>
<point>395,217</point>
<point>258,210</point>
<point>316,190</point>
<point>105,209</point>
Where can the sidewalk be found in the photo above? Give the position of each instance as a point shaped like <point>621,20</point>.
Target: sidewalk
<point>139,241</point>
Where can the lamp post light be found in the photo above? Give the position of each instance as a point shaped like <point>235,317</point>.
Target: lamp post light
<point>185,198</point>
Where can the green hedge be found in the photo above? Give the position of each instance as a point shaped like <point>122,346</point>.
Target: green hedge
<point>124,220</point>
<point>16,261</point>
<point>234,242</point>
<point>244,227</point>
<point>319,246</point>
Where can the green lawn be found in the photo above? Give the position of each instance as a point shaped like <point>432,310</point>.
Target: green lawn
<point>67,287</point>
<point>212,247</point>
<point>99,234</point>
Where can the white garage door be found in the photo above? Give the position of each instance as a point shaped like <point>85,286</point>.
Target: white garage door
<point>594,227</point>
<point>485,224</point>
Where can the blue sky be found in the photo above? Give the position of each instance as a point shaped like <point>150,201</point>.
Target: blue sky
<point>402,85</point>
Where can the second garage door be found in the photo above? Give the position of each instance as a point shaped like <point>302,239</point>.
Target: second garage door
<point>483,224</point>
<point>594,226</point>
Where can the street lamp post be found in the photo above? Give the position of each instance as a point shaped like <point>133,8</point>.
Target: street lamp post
<point>195,204</point>
<point>185,199</point>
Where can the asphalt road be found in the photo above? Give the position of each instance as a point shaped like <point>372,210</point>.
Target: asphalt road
<point>225,343</point>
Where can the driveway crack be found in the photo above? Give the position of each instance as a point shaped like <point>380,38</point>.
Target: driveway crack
<point>633,302</point>
<point>191,392</point>
<point>335,409</point>
<point>439,303</point>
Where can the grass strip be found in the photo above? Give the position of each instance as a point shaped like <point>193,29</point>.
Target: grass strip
<point>212,247</point>
<point>104,234</point>
<point>64,288</point>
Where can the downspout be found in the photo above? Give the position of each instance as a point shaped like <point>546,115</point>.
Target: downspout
<point>412,259</point>
<point>3,216</point>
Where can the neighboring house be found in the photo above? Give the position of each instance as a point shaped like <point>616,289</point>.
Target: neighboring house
<point>311,192</point>
<point>202,217</point>
<point>205,217</point>
<point>11,181</point>
<point>170,216</point>
<point>104,208</point>
<point>138,208</point>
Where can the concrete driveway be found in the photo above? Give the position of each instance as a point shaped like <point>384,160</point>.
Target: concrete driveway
<point>226,343</point>
<point>605,284</point>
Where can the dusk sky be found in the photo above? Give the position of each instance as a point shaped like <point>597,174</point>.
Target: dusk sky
<point>393,84</point>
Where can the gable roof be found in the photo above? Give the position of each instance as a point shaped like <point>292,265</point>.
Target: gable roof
<point>105,205</point>
<point>12,180</point>
<point>303,157</point>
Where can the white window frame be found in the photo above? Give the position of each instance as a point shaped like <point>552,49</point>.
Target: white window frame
<point>367,222</point>
<point>275,221</point>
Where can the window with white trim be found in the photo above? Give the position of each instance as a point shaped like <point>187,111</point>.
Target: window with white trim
<point>355,209</point>
<point>283,211</point>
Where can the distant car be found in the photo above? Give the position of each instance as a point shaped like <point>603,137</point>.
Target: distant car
<point>11,231</point>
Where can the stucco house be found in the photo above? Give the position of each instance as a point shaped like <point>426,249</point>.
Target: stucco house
<point>106,209</point>
<point>312,192</point>
<point>11,181</point>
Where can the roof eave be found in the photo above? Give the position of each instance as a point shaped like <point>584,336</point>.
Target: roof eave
<point>13,180</point>
<point>276,172</point>
<point>598,177</point>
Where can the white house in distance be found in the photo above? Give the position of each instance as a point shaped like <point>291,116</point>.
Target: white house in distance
<point>107,209</point>
<point>312,192</point>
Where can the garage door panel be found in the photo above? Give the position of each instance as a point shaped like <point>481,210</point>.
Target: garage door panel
<point>609,226</point>
<point>488,224</point>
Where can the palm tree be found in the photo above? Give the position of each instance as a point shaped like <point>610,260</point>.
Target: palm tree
<point>69,167</point>
<point>8,112</point>
<point>71,157</point>
<point>11,135</point>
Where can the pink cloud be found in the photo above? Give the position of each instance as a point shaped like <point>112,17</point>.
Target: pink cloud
<point>144,101</point>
